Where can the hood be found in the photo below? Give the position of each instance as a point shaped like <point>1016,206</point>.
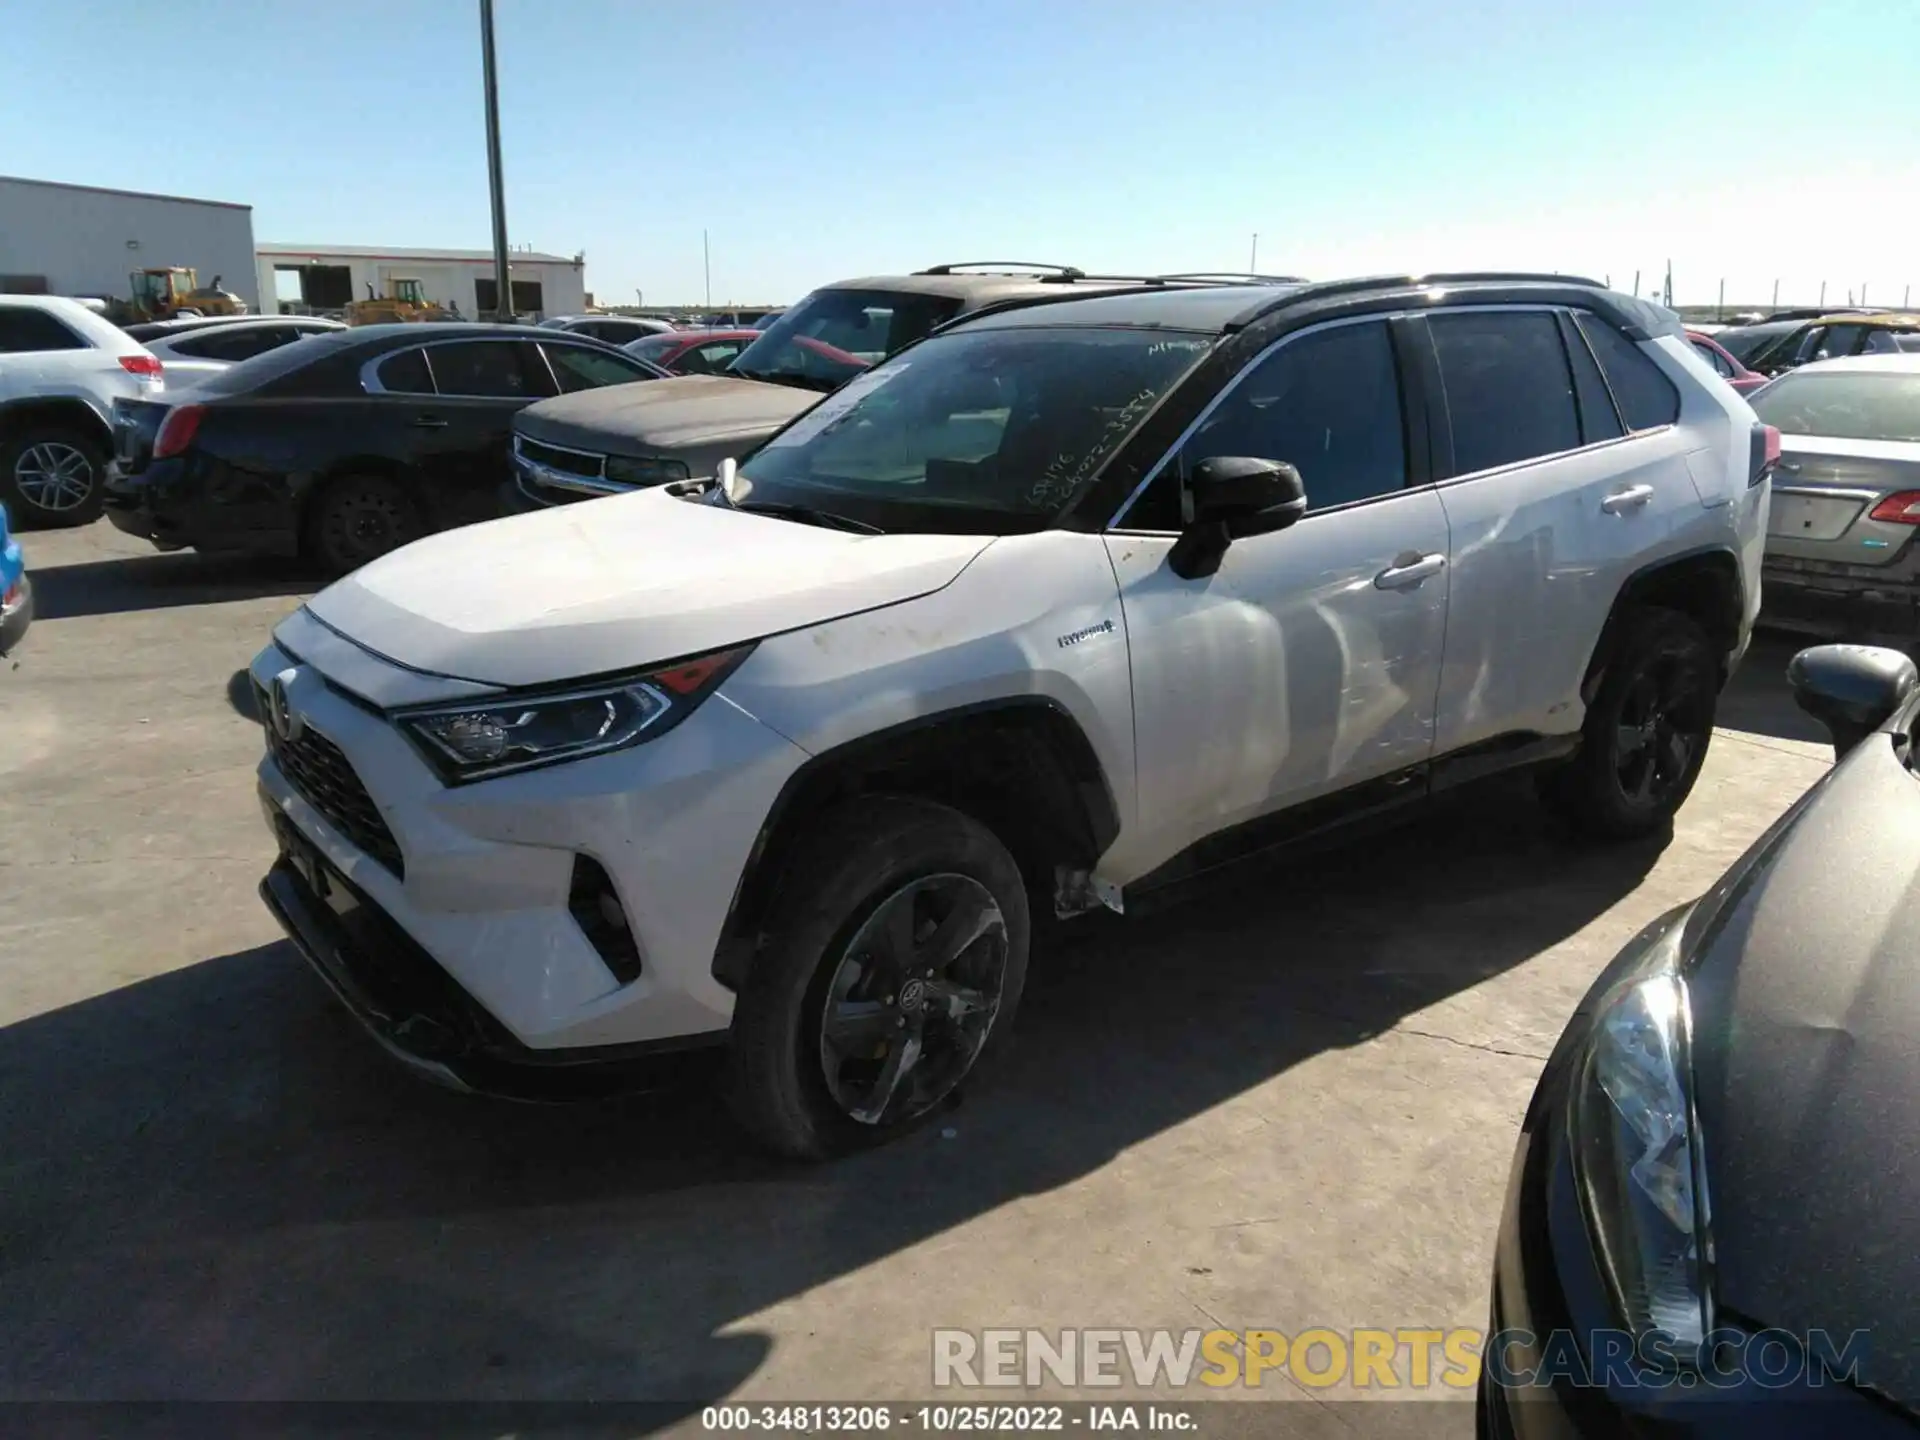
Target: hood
<point>1806,1002</point>
<point>665,417</point>
<point>618,583</point>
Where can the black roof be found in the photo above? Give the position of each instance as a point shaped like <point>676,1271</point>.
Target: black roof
<point>1217,308</point>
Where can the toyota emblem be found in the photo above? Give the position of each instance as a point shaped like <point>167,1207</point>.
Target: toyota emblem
<point>286,721</point>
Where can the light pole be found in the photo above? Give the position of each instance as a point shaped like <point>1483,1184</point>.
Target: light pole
<point>706,265</point>
<point>503,284</point>
<point>1253,260</point>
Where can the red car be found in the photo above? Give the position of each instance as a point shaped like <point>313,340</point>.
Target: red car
<point>1728,368</point>
<point>693,352</point>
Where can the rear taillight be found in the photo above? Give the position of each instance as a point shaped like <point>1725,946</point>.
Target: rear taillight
<point>1898,509</point>
<point>1765,454</point>
<point>144,365</point>
<point>177,430</point>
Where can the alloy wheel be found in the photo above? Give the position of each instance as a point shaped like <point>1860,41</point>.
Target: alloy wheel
<point>913,999</point>
<point>54,476</point>
<point>1660,729</point>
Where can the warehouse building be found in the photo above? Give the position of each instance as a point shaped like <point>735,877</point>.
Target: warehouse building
<point>84,240</point>
<point>303,279</point>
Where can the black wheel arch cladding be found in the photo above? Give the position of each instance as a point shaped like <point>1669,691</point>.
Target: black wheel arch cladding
<point>1021,766</point>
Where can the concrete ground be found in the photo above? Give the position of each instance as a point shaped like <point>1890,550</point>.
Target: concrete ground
<point>1289,1104</point>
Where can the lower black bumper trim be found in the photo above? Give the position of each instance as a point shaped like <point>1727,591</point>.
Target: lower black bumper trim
<point>422,1017</point>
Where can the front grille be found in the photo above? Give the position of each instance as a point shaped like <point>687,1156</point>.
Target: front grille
<point>325,779</point>
<point>572,462</point>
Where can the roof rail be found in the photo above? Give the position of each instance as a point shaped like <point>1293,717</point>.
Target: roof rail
<point>1064,271</point>
<point>1230,277</point>
<point>1450,277</point>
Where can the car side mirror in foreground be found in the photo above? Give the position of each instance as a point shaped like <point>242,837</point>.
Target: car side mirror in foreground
<point>1234,496</point>
<point>1851,689</point>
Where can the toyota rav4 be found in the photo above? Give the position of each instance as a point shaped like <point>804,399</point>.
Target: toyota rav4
<point>1062,606</point>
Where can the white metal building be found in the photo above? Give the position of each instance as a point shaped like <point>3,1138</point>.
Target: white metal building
<point>299,278</point>
<point>82,240</point>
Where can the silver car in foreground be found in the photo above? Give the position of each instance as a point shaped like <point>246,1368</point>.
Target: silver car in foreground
<point>1841,557</point>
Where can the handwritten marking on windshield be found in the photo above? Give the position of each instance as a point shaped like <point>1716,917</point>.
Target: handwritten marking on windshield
<point>1056,485</point>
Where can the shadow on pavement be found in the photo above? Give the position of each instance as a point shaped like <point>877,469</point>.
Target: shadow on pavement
<point>240,696</point>
<point>159,582</point>
<point>1757,698</point>
<point>214,1186</point>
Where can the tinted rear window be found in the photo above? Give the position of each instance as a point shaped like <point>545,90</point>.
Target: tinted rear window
<point>1647,399</point>
<point>1858,405</point>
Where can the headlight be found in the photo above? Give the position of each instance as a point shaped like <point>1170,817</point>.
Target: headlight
<point>532,728</point>
<point>645,470</point>
<point>1637,1155</point>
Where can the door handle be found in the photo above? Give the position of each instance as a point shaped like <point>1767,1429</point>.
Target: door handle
<point>427,422</point>
<point>1631,498</point>
<point>1409,570</point>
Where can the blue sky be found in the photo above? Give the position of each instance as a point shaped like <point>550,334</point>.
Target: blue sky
<point>1753,140</point>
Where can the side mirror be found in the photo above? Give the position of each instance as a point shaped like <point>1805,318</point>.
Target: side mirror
<point>1851,689</point>
<point>1234,496</point>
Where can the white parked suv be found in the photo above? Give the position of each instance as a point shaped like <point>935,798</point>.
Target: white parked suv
<point>1064,605</point>
<point>61,369</point>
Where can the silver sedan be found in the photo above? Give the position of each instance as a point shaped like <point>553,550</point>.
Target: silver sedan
<point>1841,556</point>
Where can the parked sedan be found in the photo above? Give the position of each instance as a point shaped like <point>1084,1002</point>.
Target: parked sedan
<point>693,352</point>
<point>1729,369</point>
<point>1712,1216</point>
<point>1841,557</point>
<point>190,356</point>
<point>343,446</point>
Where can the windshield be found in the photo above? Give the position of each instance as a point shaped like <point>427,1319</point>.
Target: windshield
<point>982,432</point>
<point>1848,405</point>
<point>832,335</point>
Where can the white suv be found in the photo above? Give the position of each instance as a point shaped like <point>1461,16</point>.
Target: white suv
<point>1066,604</point>
<point>61,369</point>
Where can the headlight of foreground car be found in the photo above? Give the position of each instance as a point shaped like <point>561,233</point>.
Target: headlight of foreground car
<point>645,470</point>
<point>533,728</point>
<point>1637,1155</point>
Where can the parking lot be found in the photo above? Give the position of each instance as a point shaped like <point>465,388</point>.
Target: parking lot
<point>1288,1104</point>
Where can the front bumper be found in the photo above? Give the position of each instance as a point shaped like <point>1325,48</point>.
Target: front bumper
<point>413,1008</point>
<point>475,880</point>
<point>16,617</point>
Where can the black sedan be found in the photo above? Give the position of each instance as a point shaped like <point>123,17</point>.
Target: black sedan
<point>1712,1217</point>
<point>344,446</point>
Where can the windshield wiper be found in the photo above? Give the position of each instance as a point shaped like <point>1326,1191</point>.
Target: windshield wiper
<point>806,514</point>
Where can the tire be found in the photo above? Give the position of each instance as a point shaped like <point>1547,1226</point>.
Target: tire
<point>358,518</point>
<point>52,475</point>
<point>1661,685</point>
<point>872,871</point>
